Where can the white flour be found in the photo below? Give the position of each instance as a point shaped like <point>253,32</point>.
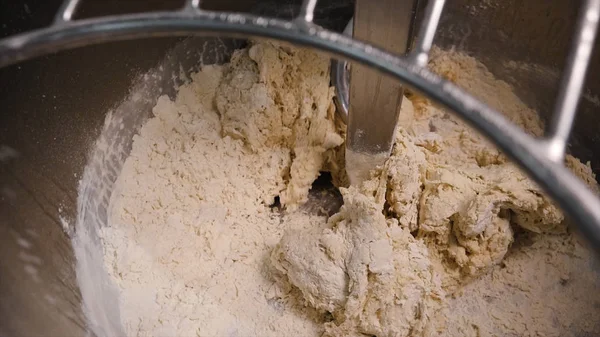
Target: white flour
<point>195,250</point>
<point>190,228</point>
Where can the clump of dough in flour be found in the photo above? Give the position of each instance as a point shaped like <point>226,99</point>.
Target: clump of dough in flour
<point>455,190</point>
<point>279,97</point>
<point>373,276</point>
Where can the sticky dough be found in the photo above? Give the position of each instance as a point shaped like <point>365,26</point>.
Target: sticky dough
<point>372,275</point>
<point>454,203</point>
<point>194,248</point>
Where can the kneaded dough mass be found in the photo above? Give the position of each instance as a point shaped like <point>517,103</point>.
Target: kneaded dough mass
<point>372,275</point>
<point>448,238</point>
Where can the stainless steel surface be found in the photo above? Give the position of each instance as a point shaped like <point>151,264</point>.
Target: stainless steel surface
<point>44,141</point>
<point>340,79</point>
<point>375,98</point>
<point>66,11</point>
<point>574,74</point>
<point>340,74</point>
<point>429,26</point>
<point>307,10</point>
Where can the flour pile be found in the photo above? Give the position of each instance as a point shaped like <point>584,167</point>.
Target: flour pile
<point>448,238</point>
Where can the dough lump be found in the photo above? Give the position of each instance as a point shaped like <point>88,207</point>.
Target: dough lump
<point>373,276</point>
<point>279,97</point>
<point>455,190</point>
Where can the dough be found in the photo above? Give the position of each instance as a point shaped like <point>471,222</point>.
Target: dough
<point>453,200</point>
<point>275,96</point>
<point>448,238</point>
<point>373,276</point>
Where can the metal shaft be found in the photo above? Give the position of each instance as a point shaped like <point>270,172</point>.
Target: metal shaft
<point>375,99</point>
<point>573,79</point>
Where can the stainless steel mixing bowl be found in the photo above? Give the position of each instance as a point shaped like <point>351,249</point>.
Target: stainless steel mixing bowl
<point>54,107</point>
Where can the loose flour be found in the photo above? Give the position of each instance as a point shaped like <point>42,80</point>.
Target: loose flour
<point>448,238</point>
